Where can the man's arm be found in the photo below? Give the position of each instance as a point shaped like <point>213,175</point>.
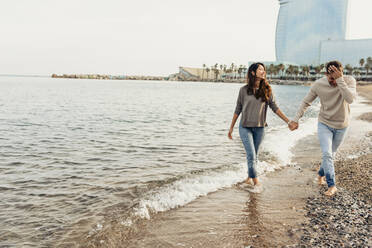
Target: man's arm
<point>306,102</point>
<point>348,92</point>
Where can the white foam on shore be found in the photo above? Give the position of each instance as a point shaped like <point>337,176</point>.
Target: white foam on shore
<point>278,141</point>
<point>188,189</point>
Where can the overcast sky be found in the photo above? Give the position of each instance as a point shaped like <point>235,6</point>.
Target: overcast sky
<point>143,36</point>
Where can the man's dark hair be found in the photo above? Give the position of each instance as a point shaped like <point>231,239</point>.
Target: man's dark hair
<point>336,63</point>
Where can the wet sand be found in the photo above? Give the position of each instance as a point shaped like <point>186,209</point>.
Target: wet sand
<point>290,211</point>
<point>232,217</point>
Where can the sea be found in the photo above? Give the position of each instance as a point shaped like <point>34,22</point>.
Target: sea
<point>78,154</point>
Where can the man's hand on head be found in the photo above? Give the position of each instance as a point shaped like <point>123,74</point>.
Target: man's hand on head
<point>335,72</point>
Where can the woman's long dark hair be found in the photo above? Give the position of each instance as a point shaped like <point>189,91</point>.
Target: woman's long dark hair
<point>264,89</point>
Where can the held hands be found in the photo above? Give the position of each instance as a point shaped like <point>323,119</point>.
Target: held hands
<point>292,125</point>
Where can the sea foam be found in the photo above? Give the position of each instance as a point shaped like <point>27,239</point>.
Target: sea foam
<point>278,142</point>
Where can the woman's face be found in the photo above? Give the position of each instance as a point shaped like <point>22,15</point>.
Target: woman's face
<point>260,72</point>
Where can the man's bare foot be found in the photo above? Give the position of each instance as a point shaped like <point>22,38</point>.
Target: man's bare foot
<point>321,181</point>
<point>331,191</point>
<point>248,181</point>
<point>255,181</point>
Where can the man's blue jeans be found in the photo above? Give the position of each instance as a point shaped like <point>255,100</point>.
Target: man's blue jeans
<point>330,139</point>
<point>251,138</point>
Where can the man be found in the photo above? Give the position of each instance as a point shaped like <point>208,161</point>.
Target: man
<point>335,92</point>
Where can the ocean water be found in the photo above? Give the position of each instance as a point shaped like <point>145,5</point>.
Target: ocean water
<point>76,154</point>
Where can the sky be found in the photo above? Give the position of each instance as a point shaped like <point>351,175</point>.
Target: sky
<point>143,37</point>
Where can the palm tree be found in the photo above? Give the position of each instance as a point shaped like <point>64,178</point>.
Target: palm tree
<point>276,70</point>
<point>361,62</point>
<point>281,68</point>
<point>232,69</point>
<point>317,69</point>
<point>208,70</point>
<point>216,71</point>
<point>349,68</point>
<point>321,66</point>
<point>240,70</point>
<point>367,67</point>
<point>369,61</point>
<point>305,70</point>
<point>357,73</point>
<point>296,71</point>
<point>290,70</point>
<point>270,69</point>
<point>204,65</point>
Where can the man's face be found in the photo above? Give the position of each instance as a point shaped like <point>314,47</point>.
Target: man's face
<point>330,77</point>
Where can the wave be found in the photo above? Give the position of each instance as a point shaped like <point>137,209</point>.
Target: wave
<point>276,153</point>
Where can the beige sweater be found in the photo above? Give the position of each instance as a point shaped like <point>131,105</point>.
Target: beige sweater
<point>334,109</point>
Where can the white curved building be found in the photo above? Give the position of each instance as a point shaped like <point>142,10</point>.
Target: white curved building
<point>303,24</point>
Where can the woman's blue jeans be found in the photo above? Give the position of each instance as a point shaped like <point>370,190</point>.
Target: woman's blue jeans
<point>252,138</point>
<point>330,139</point>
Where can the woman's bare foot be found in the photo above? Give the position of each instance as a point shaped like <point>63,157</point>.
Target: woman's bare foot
<point>255,181</point>
<point>331,191</point>
<point>321,181</point>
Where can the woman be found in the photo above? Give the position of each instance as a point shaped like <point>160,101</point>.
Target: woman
<point>253,100</point>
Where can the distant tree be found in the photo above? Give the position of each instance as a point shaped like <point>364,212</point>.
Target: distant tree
<point>204,65</point>
<point>349,68</point>
<point>224,68</point>
<point>367,67</point>
<point>207,70</point>
<point>270,70</point>
<point>321,66</point>
<point>361,62</point>
<point>240,70</point>
<point>369,61</point>
<point>290,70</point>
<point>317,70</point>
<point>296,70</point>
<point>305,70</point>
<point>281,68</point>
<point>216,73</point>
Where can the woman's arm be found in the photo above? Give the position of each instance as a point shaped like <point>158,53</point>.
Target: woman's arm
<point>282,116</point>
<point>233,121</point>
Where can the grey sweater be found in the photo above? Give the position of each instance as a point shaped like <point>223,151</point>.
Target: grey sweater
<point>253,110</point>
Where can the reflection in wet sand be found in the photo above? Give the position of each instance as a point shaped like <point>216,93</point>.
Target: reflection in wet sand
<point>254,229</point>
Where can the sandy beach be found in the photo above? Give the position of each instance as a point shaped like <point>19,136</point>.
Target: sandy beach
<point>291,211</point>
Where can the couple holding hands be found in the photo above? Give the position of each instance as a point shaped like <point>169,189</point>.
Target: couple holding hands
<point>335,91</point>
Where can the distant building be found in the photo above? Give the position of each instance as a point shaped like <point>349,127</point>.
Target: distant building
<point>346,51</point>
<point>196,73</point>
<point>308,32</point>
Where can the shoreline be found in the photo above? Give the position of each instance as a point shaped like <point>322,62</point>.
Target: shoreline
<point>291,210</point>
<point>275,81</point>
